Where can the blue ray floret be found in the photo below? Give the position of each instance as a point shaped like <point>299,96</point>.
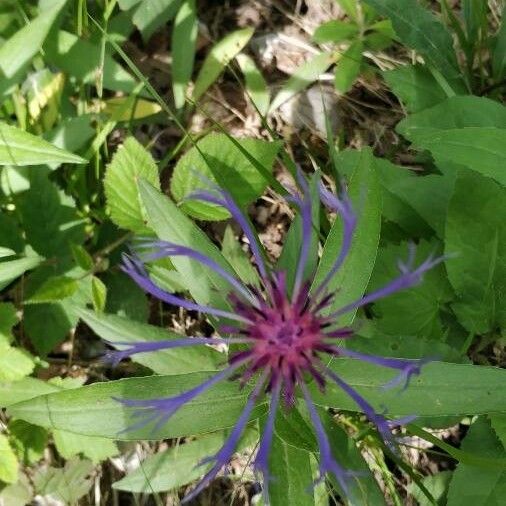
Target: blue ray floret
<point>287,336</point>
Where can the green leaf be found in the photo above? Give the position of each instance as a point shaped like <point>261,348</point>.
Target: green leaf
<point>499,53</point>
<point>130,162</point>
<point>67,484</point>
<point>222,162</point>
<point>8,319</point>
<point>184,39</point>
<point>396,315</point>
<point>172,468</point>
<point>8,462</point>
<point>98,293</point>
<point>170,224</point>
<point>6,252</point>
<point>172,361</point>
<point>348,67</point>
<point>96,449</point>
<point>419,29</point>
<point>436,484</point>
<point>304,75</point>
<point>150,16</point>
<point>292,475</point>
<point>81,59</point>
<point>442,389</point>
<point>15,363</point>
<point>499,425</point>
<point>238,259</point>
<point>19,148</point>
<point>476,235</point>
<point>12,269</point>
<point>256,86</point>
<point>125,297</point>
<point>415,86</point>
<point>50,219</point>
<point>91,410</point>
<point>352,278</point>
<point>335,31</point>
<point>53,290</point>
<point>82,258</point>
<point>29,441</point>
<point>24,389</point>
<point>18,51</point>
<point>218,58</point>
<point>473,485</point>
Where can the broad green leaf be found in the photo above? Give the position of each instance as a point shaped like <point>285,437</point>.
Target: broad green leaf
<point>350,7</point>
<point>67,484</point>
<point>415,86</point>
<point>436,484</point>
<point>454,113</point>
<point>172,468</point>
<point>9,229</point>
<point>171,224</point>
<point>475,486</point>
<point>441,389</point>
<point>81,58</point>
<point>6,252</point>
<point>125,297</point>
<point>499,425</point>
<point>91,410</point>
<point>224,163</point>
<point>17,51</point>
<point>184,39</point>
<point>82,258</point>
<point>352,278</point>
<point>292,475</point>
<point>153,14</point>
<point>12,269</point>
<point>50,219</point>
<point>19,493</point>
<point>95,448</point>
<point>140,108</point>
<point>335,31</point>
<point>19,148</point>
<point>173,361</point>
<point>8,462</point>
<point>130,162</point>
<point>218,58</point>
<point>303,76</point>
<point>53,290</point>
<point>29,441</point>
<point>24,389</point>
<point>256,86</point>
<point>15,363</point>
<point>348,67</point>
<point>419,29</point>
<point>476,235</point>
<point>397,313</point>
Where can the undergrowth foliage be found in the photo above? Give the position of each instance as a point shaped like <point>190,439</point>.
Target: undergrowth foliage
<point>361,351</point>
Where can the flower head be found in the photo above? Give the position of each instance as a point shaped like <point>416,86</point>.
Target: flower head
<point>287,333</point>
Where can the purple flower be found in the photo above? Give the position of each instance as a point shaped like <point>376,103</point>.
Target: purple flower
<point>286,334</point>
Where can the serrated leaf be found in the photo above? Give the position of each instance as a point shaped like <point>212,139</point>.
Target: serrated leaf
<point>19,148</point>
<point>53,290</point>
<point>8,462</point>
<point>129,163</point>
<point>184,39</point>
<point>173,361</point>
<point>218,58</point>
<point>71,445</point>
<point>476,236</point>
<point>225,164</point>
<point>475,486</point>
<point>304,75</point>
<point>17,51</point>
